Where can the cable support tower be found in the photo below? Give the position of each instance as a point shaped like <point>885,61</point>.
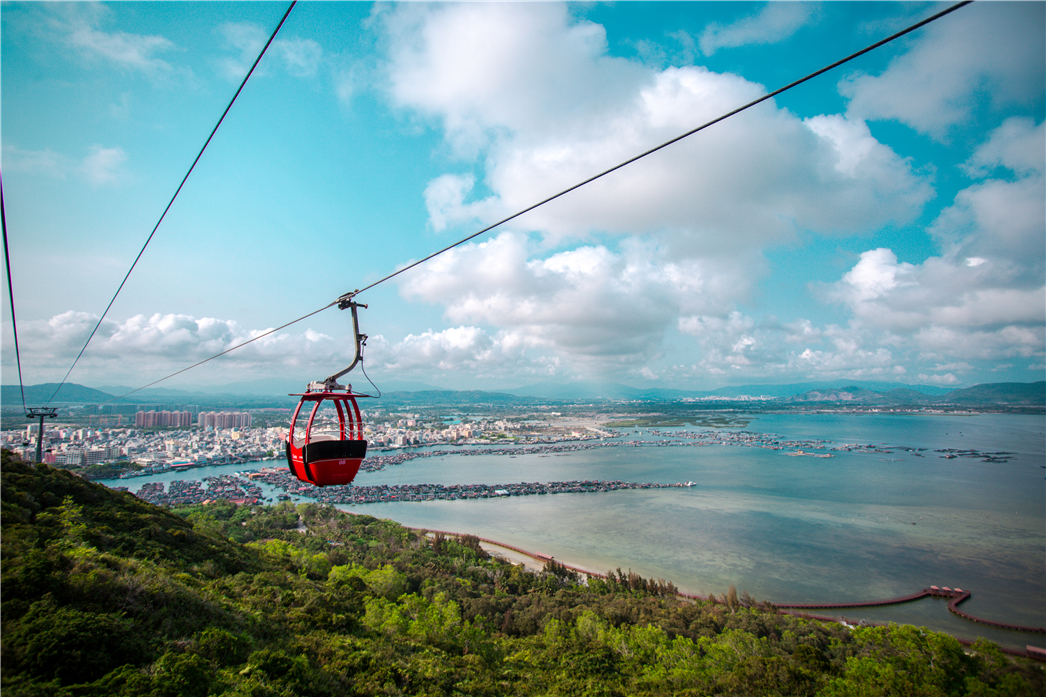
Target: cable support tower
<point>177,191</point>
<point>345,301</point>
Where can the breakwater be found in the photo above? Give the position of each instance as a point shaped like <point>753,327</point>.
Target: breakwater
<point>241,489</point>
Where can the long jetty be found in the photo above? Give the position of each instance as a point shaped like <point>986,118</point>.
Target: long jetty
<point>957,596</point>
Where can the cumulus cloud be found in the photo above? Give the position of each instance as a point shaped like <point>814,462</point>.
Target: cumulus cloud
<point>903,297</point>
<point>80,25</point>
<point>531,96</point>
<point>537,92</point>
<point>1001,221</point>
<point>81,29</point>
<point>986,51</point>
<point>775,22</point>
<point>744,348</point>
<point>103,165</point>
<point>530,102</point>
<point>946,379</point>
<point>984,297</point>
<point>592,303</point>
<point>1018,144</point>
<point>526,67</point>
<point>149,346</point>
<point>457,348</point>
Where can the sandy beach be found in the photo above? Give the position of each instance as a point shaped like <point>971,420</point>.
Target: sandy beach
<point>532,563</point>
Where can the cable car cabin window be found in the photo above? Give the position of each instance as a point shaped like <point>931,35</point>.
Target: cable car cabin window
<point>325,445</point>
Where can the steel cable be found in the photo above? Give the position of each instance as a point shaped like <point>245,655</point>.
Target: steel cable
<point>348,296</point>
<point>11,291</point>
<point>177,191</point>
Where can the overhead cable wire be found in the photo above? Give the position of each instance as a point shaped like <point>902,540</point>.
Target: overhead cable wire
<point>10,290</point>
<point>177,191</point>
<point>678,138</point>
<point>348,296</point>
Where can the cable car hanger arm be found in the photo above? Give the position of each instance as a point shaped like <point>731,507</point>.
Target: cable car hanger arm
<point>359,341</point>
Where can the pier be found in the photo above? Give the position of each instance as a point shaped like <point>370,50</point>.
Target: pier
<point>957,596</point>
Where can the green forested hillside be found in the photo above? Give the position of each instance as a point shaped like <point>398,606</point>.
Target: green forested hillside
<point>106,595</point>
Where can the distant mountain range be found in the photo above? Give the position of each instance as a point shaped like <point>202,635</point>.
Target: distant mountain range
<point>591,390</point>
<point>998,394</point>
<point>70,393</point>
<point>273,393</point>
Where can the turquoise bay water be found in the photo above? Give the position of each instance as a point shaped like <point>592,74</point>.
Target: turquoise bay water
<point>857,526</point>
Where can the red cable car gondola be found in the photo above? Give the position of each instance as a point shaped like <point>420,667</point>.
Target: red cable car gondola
<point>327,448</point>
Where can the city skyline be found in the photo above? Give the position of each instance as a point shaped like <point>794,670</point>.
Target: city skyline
<point>884,222</point>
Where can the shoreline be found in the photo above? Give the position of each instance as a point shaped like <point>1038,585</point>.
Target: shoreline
<point>535,561</point>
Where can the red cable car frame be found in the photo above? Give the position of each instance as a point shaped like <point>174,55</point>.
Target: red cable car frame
<point>329,456</point>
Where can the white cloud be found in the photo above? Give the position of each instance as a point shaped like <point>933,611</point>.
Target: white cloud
<point>775,22</point>
<point>1018,144</point>
<point>346,84</point>
<point>46,162</point>
<point>124,49</point>
<point>521,66</point>
<point>750,349</point>
<point>592,304</point>
<point>904,297</point>
<point>874,275</point>
<point>99,167</point>
<point>445,201</point>
<point>247,40</point>
<point>79,27</point>
<point>985,51</point>
<point>849,360</point>
<point>103,165</point>
<point>1008,342</point>
<point>149,346</point>
<point>531,96</point>
<point>537,92</point>
<point>457,348</point>
<point>530,103</point>
<point>984,297</point>
<point>1002,221</point>
<point>946,379</point>
<point>302,57</point>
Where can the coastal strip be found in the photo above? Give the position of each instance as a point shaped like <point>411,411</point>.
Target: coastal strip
<point>956,595</point>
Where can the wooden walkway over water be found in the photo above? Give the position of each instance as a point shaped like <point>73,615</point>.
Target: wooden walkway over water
<point>957,596</point>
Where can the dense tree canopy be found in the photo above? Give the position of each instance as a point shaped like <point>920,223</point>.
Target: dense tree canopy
<point>106,595</point>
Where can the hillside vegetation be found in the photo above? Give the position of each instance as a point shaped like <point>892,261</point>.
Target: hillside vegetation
<point>104,594</point>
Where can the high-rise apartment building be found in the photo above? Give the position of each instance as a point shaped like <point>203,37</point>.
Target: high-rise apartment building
<point>224,419</point>
<point>148,419</point>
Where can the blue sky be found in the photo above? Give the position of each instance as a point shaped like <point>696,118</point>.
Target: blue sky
<point>886,221</point>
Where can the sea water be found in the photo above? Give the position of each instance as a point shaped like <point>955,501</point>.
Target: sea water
<point>854,527</point>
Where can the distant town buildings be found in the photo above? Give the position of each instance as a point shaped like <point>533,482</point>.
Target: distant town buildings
<point>150,419</point>
<point>221,437</point>
<point>224,419</point>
